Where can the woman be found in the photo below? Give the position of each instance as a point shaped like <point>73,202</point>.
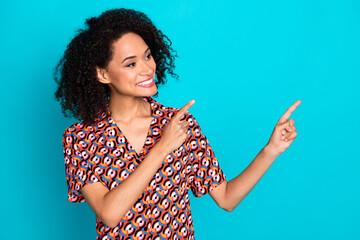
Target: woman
<point>131,158</point>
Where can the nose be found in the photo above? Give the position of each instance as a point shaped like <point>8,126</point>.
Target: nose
<point>146,69</point>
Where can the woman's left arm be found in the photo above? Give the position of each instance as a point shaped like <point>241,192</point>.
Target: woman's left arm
<point>229,194</point>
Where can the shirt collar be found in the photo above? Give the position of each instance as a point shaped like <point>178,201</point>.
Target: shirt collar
<point>104,119</point>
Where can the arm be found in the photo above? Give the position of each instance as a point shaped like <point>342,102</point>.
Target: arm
<point>229,194</point>
<point>111,206</point>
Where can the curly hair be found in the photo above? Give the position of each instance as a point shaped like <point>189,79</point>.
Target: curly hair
<point>79,90</point>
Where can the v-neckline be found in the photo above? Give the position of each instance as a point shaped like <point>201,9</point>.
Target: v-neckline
<point>147,134</point>
<point>129,143</point>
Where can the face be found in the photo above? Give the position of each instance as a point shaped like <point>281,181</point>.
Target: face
<point>131,72</point>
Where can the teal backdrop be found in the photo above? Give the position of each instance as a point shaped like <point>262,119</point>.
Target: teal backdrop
<point>245,63</point>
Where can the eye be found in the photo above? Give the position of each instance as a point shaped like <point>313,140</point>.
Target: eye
<point>148,56</point>
<point>131,65</point>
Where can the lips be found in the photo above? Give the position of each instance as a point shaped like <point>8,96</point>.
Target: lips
<point>147,83</point>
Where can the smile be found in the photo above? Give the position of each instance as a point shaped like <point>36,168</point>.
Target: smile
<point>146,83</point>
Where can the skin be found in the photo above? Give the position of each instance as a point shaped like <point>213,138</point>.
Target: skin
<point>129,111</point>
<point>133,116</point>
<point>229,194</point>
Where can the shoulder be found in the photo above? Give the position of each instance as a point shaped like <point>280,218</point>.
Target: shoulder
<point>80,133</point>
<point>78,130</point>
<point>73,134</point>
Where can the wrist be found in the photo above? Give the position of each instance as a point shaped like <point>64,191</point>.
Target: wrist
<point>161,149</point>
<point>270,152</point>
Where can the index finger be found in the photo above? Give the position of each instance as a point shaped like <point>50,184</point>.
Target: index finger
<point>183,110</point>
<point>289,111</point>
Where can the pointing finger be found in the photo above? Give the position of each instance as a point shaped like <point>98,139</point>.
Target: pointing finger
<point>183,110</point>
<point>289,111</point>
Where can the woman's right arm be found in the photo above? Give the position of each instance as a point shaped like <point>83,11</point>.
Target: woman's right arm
<point>111,206</point>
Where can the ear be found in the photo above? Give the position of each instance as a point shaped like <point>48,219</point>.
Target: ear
<point>102,75</point>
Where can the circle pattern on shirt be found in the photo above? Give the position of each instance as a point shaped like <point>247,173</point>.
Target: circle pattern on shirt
<point>101,153</point>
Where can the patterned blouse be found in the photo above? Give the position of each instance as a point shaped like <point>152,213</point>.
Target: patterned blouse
<point>99,152</point>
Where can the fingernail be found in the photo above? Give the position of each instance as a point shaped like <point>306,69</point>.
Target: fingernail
<point>283,137</point>
<point>286,140</point>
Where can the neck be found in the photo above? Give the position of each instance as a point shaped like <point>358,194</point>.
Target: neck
<point>125,108</point>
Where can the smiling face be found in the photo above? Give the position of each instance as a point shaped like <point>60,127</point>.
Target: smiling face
<point>131,71</point>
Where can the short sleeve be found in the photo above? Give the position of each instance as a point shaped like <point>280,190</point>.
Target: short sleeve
<point>77,170</point>
<point>205,167</point>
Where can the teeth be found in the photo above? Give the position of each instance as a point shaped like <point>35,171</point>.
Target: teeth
<point>145,82</point>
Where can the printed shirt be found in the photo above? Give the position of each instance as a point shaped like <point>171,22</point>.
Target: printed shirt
<point>99,152</point>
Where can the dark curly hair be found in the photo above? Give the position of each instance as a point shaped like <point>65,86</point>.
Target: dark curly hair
<point>79,91</point>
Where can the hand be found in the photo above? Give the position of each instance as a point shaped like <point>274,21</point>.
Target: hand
<point>284,132</point>
<point>175,132</point>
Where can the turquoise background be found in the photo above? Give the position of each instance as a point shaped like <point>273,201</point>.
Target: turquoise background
<point>245,63</point>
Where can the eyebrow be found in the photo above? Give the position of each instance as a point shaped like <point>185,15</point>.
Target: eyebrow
<point>133,56</point>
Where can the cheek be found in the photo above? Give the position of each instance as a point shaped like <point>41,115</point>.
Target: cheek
<point>152,63</point>
<point>121,80</point>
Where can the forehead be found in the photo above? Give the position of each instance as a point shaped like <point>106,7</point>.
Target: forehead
<point>130,44</point>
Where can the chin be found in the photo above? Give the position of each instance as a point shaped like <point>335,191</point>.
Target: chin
<point>150,92</point>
